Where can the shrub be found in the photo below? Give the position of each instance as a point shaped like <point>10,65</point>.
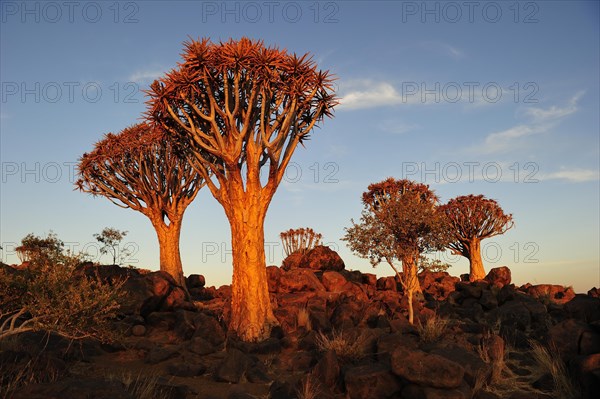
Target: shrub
<point>432,329</point>
<point>299,240</point>
<point>347,348</point>
<point>51,296</point>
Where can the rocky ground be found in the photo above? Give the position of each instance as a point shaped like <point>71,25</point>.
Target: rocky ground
<point>342,334</point>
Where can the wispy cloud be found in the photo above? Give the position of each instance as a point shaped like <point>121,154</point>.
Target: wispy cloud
<point>442,48</point>
<point>397,126</point>
<point>575,175</point>
<point>368,94</point>
<point>146,76</point>
<point>541,121</point>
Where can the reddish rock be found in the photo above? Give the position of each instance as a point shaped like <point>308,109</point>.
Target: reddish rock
<point>333,281</point>
<point>414,391</point>
<point>195,281</point>
<point>426,369</point>
<point>324,258</point>
<point>387,284</point>
<point>587,370</point>
<point>369,279</point>
<point>554,293</point>
<point>594,293</point>
<point>273,275</point>
<point>499,276</point>
<point>370,381</point>
<point>294,261</point>
<point>584,307</point>
<point>327,370</point>
<point>296,280</point>
<point>566,337</point>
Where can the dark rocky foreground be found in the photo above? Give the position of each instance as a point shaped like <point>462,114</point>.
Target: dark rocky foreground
<point>342,334</point>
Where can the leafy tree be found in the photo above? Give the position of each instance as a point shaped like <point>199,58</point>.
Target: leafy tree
<point>239,106</point>
<point>36,249</point>
<point>399,222</point>
<point>473,218</point>
<point>143,169</point>
<point>111,238</point>
<point>427,264</point>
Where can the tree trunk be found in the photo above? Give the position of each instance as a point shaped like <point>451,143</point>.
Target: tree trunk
<point>409,269</point>
<point>168,241</point>
<point>251,313</point>
<point>476,264</point>
<point>411,313</point>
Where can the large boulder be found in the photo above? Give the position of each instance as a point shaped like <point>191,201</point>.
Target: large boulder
<point>296,280</point>
<point>499,276</point>
<point>371,381</point>
<point>426,369</point>
<point>551,293</point>
<point>319,258</point>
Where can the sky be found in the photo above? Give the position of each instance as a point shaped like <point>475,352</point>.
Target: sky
<point>499,98</point>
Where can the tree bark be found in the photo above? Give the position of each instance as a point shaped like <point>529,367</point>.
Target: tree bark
<point>251,313</point>
<point>476,271</point>
<point>409,269</point>
<point>168,241</point>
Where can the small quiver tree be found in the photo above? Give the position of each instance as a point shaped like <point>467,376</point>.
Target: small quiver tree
<point>473,218</point>
<point>299,240</point>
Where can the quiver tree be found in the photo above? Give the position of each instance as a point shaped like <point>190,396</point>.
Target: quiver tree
<point>143,169</point>
<point>240,106</point>
<point>473,218</point>
<point>299,240</point>
<point>399,222</point>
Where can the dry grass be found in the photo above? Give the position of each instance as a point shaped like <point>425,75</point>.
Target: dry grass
<point>14,376</point>
<point>347,348</point>
<point>303,319</point>
<point>139,386</point>
<point>549,362</point>
<point>309,388</point>
<point>432,329</point>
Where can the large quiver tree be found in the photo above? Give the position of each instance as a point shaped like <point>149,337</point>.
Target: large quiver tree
<point>239,106</point>
<point>473,218</point>
<point>143,169</point>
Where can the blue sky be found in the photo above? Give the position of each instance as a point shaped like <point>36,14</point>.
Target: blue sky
<point>494,98</point>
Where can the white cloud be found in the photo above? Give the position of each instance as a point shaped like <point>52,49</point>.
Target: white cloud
<point>396,126</point>
<point>542,121</point>
<point>573,175</point>
<point>369,94</point>
<point>145,76</point>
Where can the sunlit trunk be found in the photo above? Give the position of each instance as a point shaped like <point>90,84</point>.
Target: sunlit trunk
<point>251,313</point>
<point>168,241</point>
<point>409,269</point>
<point>476,264</point>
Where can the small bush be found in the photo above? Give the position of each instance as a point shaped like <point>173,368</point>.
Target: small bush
<point>50,296</point>
<point>347,348</point>
<point>432,329</point>
<point>309,388</point>
<point>303,319</point>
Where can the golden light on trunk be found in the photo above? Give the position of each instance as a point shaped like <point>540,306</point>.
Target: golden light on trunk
<point>237,107</point>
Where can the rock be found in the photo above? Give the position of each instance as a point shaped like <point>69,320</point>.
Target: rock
<point>195,281</point>
<point>200,346</point>
<point>209,328</point>
<point>566,336</point>
<point>387,284</point>
<point>333,281</point>
<point>327,370</point>
<point>549,292</point>
<point>426,369</point>
<point>469,290</point>
<point>584,308</point>
<point>294,260</point>
<point>296,280</point>
<point>488,300</point>
<point>369,279</point>
<point>370,381</point>
<point>138,330</point>
<point>233,367</point>
<point>160,354</point>
<point>499,276</point>
<point>414,391</point>
<point>594,293</point>
<point>470,361</point>
<point>74,388</point>
<point>586,369</point>
<point>273,274</point>
<point>151,292</point>
<point>323,258</point>
<point>184,369</point>
<point>437,284</point>
<point>514,314</point>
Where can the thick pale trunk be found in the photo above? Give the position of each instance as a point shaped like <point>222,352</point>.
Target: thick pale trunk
<point>476,264</point>
<point>170,258</point>
<point>251,313</point>
<point>409,269</point>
